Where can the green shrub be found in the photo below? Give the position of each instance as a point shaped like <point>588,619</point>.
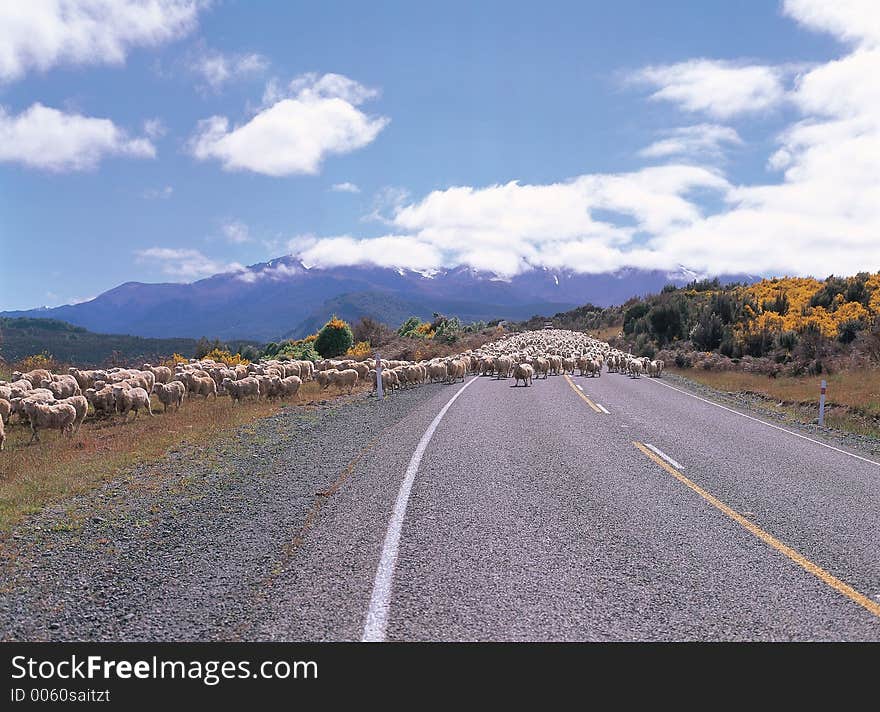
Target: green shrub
<point>334,339</point>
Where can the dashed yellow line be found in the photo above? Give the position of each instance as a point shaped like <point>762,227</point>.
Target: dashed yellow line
<point>577,390</point>
<point>767,538</point>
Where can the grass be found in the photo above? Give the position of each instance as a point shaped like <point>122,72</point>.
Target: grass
<point>852,397</point>
<point>34,476</point>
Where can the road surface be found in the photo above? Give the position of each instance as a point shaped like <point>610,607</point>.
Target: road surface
<point>554,513</point>
<point>579,508</point>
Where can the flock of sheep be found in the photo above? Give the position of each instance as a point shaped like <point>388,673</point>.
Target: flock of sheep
<point>62,401</point>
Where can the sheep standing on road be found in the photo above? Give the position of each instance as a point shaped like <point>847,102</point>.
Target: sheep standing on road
<point>523,372</point>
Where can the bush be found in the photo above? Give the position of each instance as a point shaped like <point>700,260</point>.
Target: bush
<point>847,331</point>
<point>374,332</point>
<point>708,332</point>
<point>334,339</point>
<point>360,350</point>
<point>42,360</point>
<point>223,356</point>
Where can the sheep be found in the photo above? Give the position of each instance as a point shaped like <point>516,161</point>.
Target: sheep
<point>2,435</point>
<point>81,405</point>
<point>171,393</point>
<point>64,387</point>
<point>60,416</point>
<point>248,387</point>
<point>347,377</point>
<point>85,379</point>
<point>437,371</point>
<point>542,366</point>
<point>456,369</point>
<point>128,399</point>
<point>322,376</point>
<point>503,365</point>
<point>523,372</point>
<point>103,401</point>
<point>33,377</point>
<point>161,374</point>
<point>290,386</point>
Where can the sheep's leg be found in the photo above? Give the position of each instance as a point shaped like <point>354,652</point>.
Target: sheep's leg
<point>33,435</point>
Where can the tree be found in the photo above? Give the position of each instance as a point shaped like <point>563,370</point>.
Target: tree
<point>708,332</point>
<point>334,339</point>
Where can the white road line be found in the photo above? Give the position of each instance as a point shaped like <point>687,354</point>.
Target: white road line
<point>657,451</point>
<point>377,614</point>
<point>764,422</point>
<point>603,408</point>
<point>580,387</point>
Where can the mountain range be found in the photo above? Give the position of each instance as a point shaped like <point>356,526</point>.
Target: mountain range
<point>283,298</point>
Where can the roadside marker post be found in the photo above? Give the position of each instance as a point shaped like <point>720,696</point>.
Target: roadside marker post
<point>822,403</point>
<point>379,392</point>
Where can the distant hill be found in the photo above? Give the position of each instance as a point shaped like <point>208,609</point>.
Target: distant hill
<point>284,298</point>
<point>75,345</point>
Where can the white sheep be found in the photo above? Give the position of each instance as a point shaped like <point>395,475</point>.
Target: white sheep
<point>60,416</point>
<point>81,405</point>
<point>345,378</point>
<point>128,399</point>
<point>523,372</point>
<point>171,393</point>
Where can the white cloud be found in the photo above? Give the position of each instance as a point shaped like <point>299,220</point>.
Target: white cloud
<point>855,21</point>
<point>216,68</point>
<point>701,141</point>
<point>717,88</point>
<point>235,232</point>
<point>184,264</point>
<point>386,251</point>
<point>159,193</point>
<point>345,188</point>
<point>41,34</point>
<point>293,135</point>
<point>46,138</point>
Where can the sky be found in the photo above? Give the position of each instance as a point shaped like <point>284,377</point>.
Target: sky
<point>168,140</point>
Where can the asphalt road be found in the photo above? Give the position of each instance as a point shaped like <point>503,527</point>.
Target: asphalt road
<point>540,513</point>
<point>533,515</point>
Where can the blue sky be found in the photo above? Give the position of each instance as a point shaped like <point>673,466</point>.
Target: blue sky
<point>171,139</point>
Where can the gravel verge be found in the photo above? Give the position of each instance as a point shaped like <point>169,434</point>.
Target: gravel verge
<point>182,548</point>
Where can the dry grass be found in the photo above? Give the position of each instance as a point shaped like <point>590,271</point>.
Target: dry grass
<point>608,333</point>
<point>34,476</point>
<point>852,398</point>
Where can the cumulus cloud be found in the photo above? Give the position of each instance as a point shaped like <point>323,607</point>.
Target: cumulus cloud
<point>345,188</point>
<point>818,212</point>
<point>699,141</point>
<point>217,69</point>
<point>49,139</point>
<point>295,131</point>
<point>185,264</point>
<point>41,34</point>
<point>717,88</point>
<point>854,21</point>
<point>155,128</point>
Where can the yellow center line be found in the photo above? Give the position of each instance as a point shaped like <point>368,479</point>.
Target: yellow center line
<point>577,390</point>
<point>767,538</point>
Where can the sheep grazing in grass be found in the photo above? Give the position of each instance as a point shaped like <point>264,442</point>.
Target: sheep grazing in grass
<point>523,372</point>
<point>345,379</point>
<point>2,435</point>
<point>81,405</point>
<point>102,400</point>
<point>5,410</point>
<point>171,393</point>
<point>63,387</point>
<point>323,378</point>
<point>49,416</point>
<point>132,399</point>
<point>240,390</point>
<point>162,374</point>
<point>290,386</point>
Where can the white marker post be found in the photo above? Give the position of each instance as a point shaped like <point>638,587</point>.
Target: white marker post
<point>379,392</point>
<point>822,403</point>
